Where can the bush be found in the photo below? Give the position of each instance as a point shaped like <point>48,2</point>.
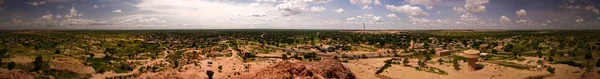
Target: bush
<point>210,74</point>
<point>405,61</point>
<point>11,65</point>
<point>39,63</point>
<point>388,63</point>
<point>220,68</point>
<point>550,69</point>
<point>456,65</point>
<point>570,63</point>
<point>284,56</point>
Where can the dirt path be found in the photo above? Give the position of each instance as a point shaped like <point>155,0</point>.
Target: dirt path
<point>134,71</point>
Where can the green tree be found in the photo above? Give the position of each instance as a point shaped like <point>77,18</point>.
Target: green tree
<point>405,61</point>
<point>11,65</point>
<point>456,65</point>
<point>440,61</point>
<point>550,59</point>
<point>588,55</point>
<point>550,69</point>
<point>494,51</point>
<point>284,56</point>
<point>57,51</point>
<point>552,52</point>
<point>421,63</point>
<point>210,74</point>
<point>3,51</point>
<point>38,63</point>
<point>598,63</point>
<point>539,54</point>
<point>508,48</point>
<point>220,68</point>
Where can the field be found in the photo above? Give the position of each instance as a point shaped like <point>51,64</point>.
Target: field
<point>200,54</point>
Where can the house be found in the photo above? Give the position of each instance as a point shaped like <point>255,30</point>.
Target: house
<point>443,52</point>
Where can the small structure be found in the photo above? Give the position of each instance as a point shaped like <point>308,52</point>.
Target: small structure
<point>443,52</point>
<point>472,56</point>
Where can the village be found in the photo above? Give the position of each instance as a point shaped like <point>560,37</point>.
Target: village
<point>277,54</point>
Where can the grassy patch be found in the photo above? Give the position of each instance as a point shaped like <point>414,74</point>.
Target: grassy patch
<point>512,65</point>
<point>570,63</point>
<point>432,70</point>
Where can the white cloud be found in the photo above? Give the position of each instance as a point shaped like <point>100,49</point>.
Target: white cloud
<point>258,15</point>
<point>117,11</point>
<point>504,19</point>
<point>271,1</point>
<point>522,21</point>
<point>46,17</point>
<point>365,3</point>
<point>317,8</point>
<point>59,7</point>
<point>351,19</point>
<point>593,9</point>
<point>468,17</point>
<point>73,13</point>
<point>477,2</point>
<point>472,6</point>
<point>408,10</point>
<point>367,7</point>
<point>339,11</point>
<point>101,6</point>
<point>580,20</point>
<point>475,8</point>
<point>297,6</point>
<point>368,18</point>
<point>460,10</point>
<point>361,2</point>
<point>377,2</point>
<point>36,3</point>
<point>428,3</point>
<point>393,17</point>
<point>521,13</point>
<point>231,14</point>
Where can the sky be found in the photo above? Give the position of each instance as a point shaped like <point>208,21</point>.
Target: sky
<point>299,14</point>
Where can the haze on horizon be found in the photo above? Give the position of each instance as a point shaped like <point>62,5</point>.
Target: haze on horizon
<point>299,14</point>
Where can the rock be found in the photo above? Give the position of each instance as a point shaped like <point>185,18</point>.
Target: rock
<point>71,65</point>
<point>324,69</point>
<point>15,74</point>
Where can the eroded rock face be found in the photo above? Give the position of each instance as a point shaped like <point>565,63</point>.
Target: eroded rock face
<point>15,74</point>
<point>324,69</point>
<point>71,65</point>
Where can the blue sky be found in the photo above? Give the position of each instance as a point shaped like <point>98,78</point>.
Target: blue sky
<point>299,14</point>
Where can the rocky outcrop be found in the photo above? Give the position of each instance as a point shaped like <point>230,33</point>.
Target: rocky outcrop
<point>15,74</point>
<point>324,69</point>
<point>71,65</point>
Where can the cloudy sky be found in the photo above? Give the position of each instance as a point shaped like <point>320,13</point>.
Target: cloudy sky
<point>299,14</point>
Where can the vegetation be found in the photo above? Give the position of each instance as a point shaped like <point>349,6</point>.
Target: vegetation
<point>114,50</point>
<point>388,63</point>
<point>210,74</point>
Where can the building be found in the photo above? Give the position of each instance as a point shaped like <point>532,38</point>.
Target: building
<point>471,56</point>
<point>443,52</point>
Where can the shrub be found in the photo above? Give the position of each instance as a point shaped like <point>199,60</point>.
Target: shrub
<point>39,63</point>
<point>388,63</point>
<point>570,63</point>
<point>220,68</point>
<point>11,65</point>
<point>550,69</point>
<point>405,61</point>
<point>210,74</point>
<point>456,65</point>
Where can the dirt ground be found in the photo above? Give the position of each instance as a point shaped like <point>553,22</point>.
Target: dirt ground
<point>365,69</point>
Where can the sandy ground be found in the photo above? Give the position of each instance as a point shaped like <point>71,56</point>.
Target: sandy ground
<point>365,69</point>
<point>20,59</point>
<point>230,66</point>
